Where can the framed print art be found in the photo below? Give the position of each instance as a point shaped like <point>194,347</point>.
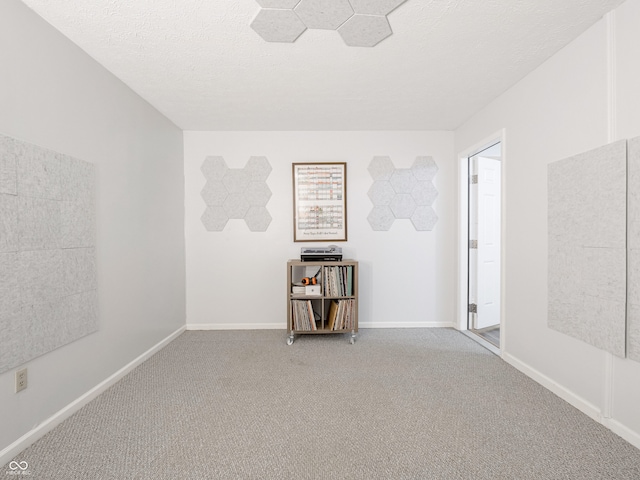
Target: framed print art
<point>320,202</point>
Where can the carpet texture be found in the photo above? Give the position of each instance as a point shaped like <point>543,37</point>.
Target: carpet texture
<point>399,404</point>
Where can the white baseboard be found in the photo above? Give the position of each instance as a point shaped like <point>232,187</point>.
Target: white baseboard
<point>581,404</point>
<point>57,418</point>
<point>405,325</point>
<point>625,432</point>
<point>567,395</point>
<point>236,326</point>
<point>283,326</point>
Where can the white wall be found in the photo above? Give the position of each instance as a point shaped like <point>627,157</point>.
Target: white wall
<point>237,278</point>
<point>53,95</point>
<point>582,98</point>
<point>625,89</point>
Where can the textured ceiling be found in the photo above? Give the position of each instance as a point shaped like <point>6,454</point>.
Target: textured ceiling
<point>200,63</point>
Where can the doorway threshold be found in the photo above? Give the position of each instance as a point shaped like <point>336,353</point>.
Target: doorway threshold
<point>486,344</point>
<point>490,334</point>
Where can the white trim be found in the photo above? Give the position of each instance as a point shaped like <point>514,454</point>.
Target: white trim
<point>609,375</point>
<point>283,326</point>
<point>578,402</point>
<point>503,239</point>
<point>623,431</point>
<point>564,393</point>
<point>463,175</point>
<point>57,418</point>
<point>406,325</point>
<point>237,326</point>
<point>463,245</point>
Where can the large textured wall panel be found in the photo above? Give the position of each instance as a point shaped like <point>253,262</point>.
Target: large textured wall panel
<point>633,245</point>
<point>8,223</point>
<point>38,171</point>
<point>587,197</point>
<point>48,278</point>
<point>40,276</point>
<point>78,270</point>
<point>8,166</point>
<point>39,224</point>
<point>77,224</point>
<point>9,290</point>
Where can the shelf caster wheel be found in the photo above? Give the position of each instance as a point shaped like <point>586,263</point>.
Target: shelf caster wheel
<point>290,340</point>
<point>352,340</point>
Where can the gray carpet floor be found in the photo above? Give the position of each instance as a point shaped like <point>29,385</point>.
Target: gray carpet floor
<point>399,404</point>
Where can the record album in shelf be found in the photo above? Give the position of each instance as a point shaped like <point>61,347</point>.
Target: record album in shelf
<point>319,202</point>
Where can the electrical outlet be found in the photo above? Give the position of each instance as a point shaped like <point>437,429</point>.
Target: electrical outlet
<point>21,380</point>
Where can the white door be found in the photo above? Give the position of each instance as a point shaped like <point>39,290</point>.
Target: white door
<point>488,244</point>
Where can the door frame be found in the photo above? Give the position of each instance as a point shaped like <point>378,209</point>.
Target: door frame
<point>463,233</point>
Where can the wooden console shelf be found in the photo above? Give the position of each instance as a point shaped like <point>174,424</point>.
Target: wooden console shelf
<point>328,306</point>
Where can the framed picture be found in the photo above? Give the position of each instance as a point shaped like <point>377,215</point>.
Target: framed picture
<point>320,202</point>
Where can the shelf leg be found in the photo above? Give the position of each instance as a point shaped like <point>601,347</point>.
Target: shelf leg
<point>352,340</point>
<point>290,339</point>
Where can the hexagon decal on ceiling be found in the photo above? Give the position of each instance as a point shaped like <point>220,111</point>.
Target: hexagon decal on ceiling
<point>360,23</point>
<point>278,25</point>
<point>375,7</point>
<point>282,4</point>
<point>365,30</point>
<point>324,14</point>
<point>402,193</point>
<point>240,193</point>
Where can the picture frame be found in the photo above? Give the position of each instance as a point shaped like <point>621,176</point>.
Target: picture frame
<point>319,202</point>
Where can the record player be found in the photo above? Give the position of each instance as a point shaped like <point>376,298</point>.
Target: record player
<point>332,253</point>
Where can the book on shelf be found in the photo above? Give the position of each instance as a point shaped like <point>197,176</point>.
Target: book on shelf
<point>338,281</point>
<point>303,316</point>
<point>341,315</point>
<point>331,318</point>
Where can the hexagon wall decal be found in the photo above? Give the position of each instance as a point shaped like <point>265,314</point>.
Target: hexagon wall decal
<point>214,167</point>
<point>214,193</point>
<point>258,219</point>
<point>381,218</point>
<point>258,169</point>
<point>424,218</point>
<point>240,193</point>
<point>214,219</point>
<point>403,181</point>
<point>424,193</point>
<point>403,205</point>
<point>361,23</point>
<point>381,168</point>
<point>424,168</point>
<point>402,193</point>
<point>381,192</point>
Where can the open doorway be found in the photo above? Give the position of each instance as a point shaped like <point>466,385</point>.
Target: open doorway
<point>481,212</point>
